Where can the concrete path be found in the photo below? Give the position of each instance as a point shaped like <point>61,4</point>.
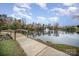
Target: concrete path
<point>35,48</point>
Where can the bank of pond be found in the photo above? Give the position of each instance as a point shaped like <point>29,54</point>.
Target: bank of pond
<point>67,42</point>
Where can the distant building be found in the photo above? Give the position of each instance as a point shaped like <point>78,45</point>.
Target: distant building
<point>46,30</point>
<point>9,20</point>
<point>56,26</point>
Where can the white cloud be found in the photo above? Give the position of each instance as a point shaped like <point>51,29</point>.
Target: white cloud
<point>17,9</point>
<point>72,9</point>
<point>68,4</point>
<point>54,19</point>
<point>42,5</point>
<point>24,15</point>
<point>24,5</point>
<point>21,11</point>
<point>41,19</point>
<point>20,15</point>
<point>62,11</point>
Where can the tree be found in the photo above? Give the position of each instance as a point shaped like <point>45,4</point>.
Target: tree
<point>2,21</point>
<point>14,27</point>
<point>78,26</point>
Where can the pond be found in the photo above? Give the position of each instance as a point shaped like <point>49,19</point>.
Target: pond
<point>60,37</point>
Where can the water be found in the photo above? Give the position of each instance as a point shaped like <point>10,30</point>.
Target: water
<point>60,37</point>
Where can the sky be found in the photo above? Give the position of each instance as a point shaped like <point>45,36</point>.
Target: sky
<point>44,13</point>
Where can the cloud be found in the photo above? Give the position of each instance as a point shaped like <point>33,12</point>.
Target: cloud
<point>24,15</point>
<point>59,11</point>
<point>20,16</point>
<point>24,5</point>
<point>72,9</point>
<point>13,15</point>
<point>42,5</point>
<point>68,4</point>
<point>17,9</point>
<point>21,11</point>
<point>54,19</point>
<point>41,19</point>
<point>62,11</point>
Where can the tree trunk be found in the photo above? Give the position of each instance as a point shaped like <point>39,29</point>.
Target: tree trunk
<point>15,35</point>
<point>0,31</point>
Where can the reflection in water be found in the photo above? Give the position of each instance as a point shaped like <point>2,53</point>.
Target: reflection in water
<point>77,32</point>
<point>39,33</point>
<point>59,37</point>
<point>56,33</point>
<point>69,32</point>
<point>49,33</point>
<point>43,33</point>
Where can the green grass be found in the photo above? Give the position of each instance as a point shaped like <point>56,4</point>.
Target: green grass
<point>71,50</point>
<point>10,48</point>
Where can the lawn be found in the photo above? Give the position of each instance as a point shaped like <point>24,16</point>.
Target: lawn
<point>10,48</point>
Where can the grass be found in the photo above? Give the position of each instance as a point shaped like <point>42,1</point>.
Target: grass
<point>10,48</point>
<point>71,50</point>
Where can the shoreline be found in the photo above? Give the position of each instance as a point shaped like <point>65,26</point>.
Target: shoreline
<point>73,51</point>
